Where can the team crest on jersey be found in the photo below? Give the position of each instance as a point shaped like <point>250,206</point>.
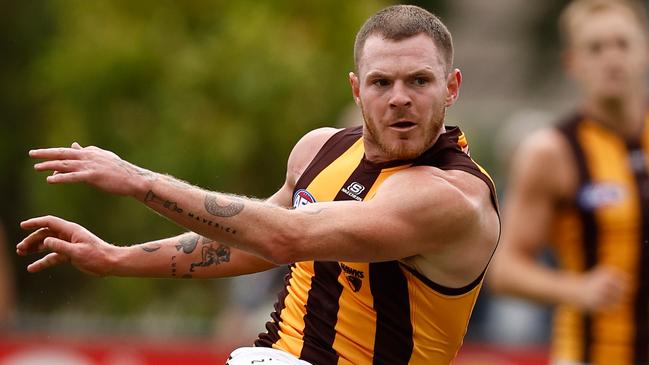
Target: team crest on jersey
<point>302,197</point>
<point>354,277</point>
<point>594,196</point>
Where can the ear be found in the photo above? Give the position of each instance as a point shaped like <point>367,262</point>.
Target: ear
<point>453,83</point>
<point>356,87</point>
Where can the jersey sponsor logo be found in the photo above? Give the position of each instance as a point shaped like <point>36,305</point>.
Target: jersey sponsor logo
<point>354,190</point>
<point>354,277</point>
<point>302,197</point>
<point>594,196</point>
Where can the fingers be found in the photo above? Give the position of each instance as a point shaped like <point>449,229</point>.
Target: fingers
<point>75,145</point>
<point>59,227</point>
<point>69,177</point>
<point>61,251</point>
<point>51,259</point>
<point>33,243</point>
<point>59,165</point>
<point>59,153</point>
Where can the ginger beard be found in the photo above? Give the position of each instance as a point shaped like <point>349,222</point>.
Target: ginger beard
<point>411,144</point>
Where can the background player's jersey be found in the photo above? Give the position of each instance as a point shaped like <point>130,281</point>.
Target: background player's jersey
<point>606,223</point>
<point>370,313</point>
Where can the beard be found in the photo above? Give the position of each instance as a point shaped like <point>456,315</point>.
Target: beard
<point>406,150</point>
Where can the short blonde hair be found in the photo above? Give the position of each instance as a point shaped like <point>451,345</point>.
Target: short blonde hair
<point>579,8</point>
<point>399,22</point>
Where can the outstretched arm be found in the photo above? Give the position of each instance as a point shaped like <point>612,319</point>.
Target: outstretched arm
<point>374,230</point>
<point>187,255</point>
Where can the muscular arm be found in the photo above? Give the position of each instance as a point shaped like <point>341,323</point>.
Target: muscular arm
<point>446,210</point>
<point>542,175</point>
<point>187,255</point>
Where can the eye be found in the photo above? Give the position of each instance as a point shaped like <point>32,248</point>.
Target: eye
<point>595,48</point>
<point>420,81</point>
<point>381,82</point>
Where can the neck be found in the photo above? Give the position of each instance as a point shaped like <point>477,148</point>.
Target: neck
<point>625,116</point>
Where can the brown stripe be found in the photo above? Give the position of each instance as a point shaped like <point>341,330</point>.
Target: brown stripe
<point>330,151</point>
<point>589,224</point>
<point>446,154</point>
<point>322,314</point>
<point>272,335</point>
<point>393,341</point>
<point>359,183</point>
<point>446,290</point>
<point>641,310</point>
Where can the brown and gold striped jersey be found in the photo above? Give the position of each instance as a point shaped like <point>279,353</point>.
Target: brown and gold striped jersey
<point>370,313</point>
<point>606,223</point>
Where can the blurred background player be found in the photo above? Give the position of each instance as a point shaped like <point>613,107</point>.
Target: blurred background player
<point>583,186</point>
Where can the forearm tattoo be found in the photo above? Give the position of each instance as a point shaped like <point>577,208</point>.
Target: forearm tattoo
<point>151,197</point>
<point>212,256</point>
<point>151,248</point>
<point>211,205</point>
<point>188,244</point>
<point>226,210</point>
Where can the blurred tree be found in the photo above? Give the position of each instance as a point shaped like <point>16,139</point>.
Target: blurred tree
<point>213,92</point>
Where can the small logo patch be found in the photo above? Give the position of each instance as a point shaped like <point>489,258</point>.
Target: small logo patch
<point>354,190</point>
<point>354,277</point>
<point>302,197</point>
<point>594,196</point>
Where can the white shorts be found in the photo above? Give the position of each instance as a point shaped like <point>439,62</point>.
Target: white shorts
<point>263,356</point>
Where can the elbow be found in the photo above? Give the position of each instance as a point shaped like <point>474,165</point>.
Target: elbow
<point>283,247</point>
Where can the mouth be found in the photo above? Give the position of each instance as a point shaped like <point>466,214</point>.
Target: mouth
<point>403,126</point>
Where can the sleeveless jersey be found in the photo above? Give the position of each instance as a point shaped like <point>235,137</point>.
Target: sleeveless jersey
<point>606,223</point>
<point>370,313</point>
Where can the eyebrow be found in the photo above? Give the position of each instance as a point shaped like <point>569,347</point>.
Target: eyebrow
<point>421,71</point>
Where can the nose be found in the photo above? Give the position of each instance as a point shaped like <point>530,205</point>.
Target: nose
<point>400,98</point>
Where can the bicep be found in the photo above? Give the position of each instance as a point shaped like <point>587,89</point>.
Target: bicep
<point>395,224</point>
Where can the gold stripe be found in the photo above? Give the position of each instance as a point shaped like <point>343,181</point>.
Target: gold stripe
<point>290,336</point>
<point>328,182</point>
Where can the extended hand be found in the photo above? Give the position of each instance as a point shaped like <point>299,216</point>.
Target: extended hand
<point>92,165</point>
<point>67,242</point>
<point>602,288</point>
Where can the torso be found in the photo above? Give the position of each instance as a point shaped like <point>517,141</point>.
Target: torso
<point>602,218</point>
<point>362,313</point>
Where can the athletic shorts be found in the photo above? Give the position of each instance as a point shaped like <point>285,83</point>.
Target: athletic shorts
<point>262,356</point>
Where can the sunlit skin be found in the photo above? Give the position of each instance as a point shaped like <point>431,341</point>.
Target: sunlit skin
<point>608,57</point>
<point>403,89</point>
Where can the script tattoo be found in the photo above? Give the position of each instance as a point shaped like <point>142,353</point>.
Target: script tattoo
<point>212,256</point>
<point>212,223</point>
<point>213,207</point>
<point>151,248</point>
<point>188,244</point>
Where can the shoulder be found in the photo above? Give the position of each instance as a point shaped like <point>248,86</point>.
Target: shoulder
<point>453,213</point>
<point>306,149</point>
<point>457,195</point>
<point>544,159</point>
<point>432,180</point>
<point>547,143</point>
